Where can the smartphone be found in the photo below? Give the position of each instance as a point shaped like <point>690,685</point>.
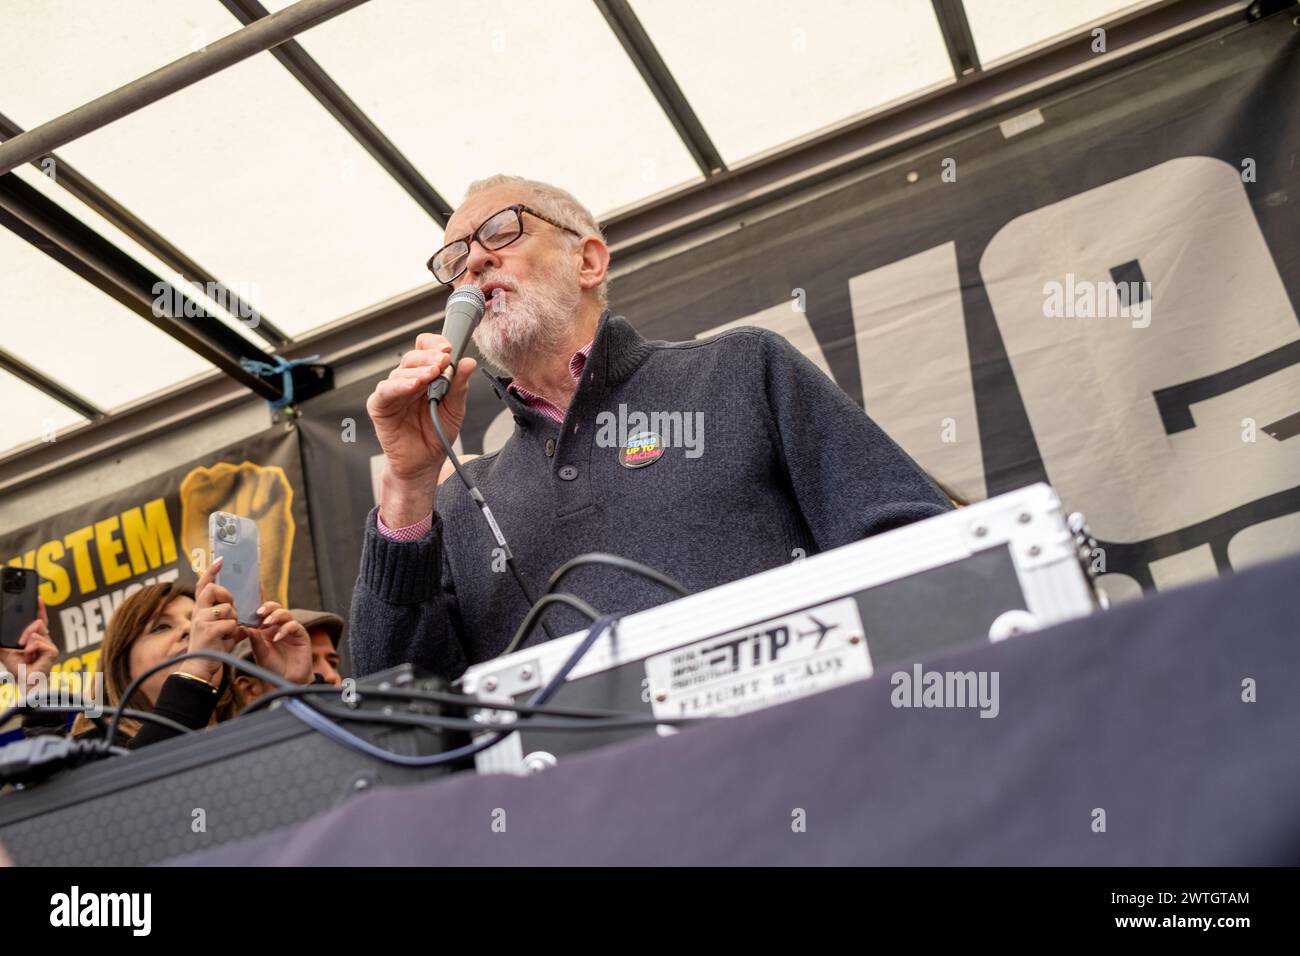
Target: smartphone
<point>18,608</point>
<point>235,539</point>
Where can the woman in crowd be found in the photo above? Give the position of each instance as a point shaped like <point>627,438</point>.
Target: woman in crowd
<point>161,621</point>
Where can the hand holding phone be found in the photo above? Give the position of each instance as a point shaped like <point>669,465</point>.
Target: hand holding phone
<point>18,603</point>
<point>33,652</point>
<point>213,627</point>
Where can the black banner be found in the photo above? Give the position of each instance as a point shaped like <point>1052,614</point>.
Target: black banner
<point>91,557</point>
<point>1099,292</point>
<point>341,460</point>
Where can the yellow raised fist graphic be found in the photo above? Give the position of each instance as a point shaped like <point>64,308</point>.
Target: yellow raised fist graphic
<point>259,492</point>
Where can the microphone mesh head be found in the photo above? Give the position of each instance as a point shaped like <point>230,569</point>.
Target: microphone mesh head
<point>467,293</point>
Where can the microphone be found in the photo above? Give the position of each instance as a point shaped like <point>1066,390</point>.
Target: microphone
<point>464,312</point>
<point>465,309</point>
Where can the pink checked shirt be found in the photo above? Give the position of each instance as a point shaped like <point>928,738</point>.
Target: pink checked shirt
<point>413,532</point>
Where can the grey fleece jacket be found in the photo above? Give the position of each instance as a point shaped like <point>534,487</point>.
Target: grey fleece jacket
<point>786,461</point>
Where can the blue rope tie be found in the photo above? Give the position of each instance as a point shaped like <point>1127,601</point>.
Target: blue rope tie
<point>283,367</point>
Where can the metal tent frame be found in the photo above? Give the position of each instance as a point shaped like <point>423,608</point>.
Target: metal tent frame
<point>976,93</point>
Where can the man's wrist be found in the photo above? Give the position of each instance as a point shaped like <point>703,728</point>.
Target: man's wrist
<point>404,502</point>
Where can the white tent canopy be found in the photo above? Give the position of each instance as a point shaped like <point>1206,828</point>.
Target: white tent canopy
<point>251,177</point>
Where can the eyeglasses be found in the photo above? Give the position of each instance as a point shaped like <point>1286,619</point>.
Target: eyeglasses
<point>498,231</point>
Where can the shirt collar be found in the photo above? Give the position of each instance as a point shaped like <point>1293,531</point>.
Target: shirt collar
<point>576,364</point>
<point>615,353</point>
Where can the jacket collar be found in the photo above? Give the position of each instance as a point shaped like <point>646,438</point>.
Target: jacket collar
<point>616,353</point>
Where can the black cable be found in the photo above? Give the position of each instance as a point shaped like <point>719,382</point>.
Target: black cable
<point>595,557</point>
<point>626,564</point>
<point>583,720</point>
<point>477,497</point>
<point>126,712</point>
<point>581,716</point>
<point>147,716</point>
<point>439,722</point>
<point>534,612</point>
<point>436,697</point>
<point>337,732</point>
<point>237,663</point>
<point>27,761</point>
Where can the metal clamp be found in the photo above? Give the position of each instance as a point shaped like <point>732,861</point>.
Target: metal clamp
<point>1032,540</point>
<point>505,685</point>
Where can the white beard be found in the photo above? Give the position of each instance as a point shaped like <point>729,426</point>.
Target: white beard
<point>531,323</point>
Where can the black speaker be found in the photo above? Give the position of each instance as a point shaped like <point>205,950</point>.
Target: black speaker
<point>224,783</point>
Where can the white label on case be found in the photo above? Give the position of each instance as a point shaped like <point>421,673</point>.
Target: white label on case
<point>757,666</point>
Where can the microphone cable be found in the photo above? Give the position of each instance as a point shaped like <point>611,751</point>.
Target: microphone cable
<point>469,307</point>
<point>464,312</point>
<point>477,497</point>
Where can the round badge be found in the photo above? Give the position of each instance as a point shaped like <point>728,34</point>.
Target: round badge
<point>641,449</point>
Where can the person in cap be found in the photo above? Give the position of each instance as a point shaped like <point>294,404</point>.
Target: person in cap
<point>324,629</point>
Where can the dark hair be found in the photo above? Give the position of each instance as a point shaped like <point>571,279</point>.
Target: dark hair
<point>129,622</point>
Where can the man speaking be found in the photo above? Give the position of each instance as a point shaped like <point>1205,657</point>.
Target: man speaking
<point>780,463</point>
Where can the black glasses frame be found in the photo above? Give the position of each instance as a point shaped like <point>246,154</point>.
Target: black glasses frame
<point>519,209</point>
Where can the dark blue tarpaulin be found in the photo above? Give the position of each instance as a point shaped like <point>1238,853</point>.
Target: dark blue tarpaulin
<point>1143,713</point>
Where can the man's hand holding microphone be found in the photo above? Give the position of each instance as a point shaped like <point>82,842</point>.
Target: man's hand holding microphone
<point>400,408</point>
